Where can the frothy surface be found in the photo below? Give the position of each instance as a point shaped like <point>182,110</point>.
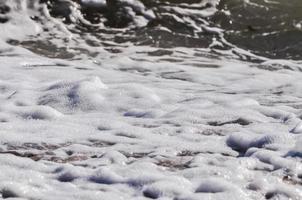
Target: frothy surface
<point>89,111</point>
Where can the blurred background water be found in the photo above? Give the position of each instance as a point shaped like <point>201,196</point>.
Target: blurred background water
<point>266,28</point>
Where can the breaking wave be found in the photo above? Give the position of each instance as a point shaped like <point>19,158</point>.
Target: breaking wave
<point>248,30</point>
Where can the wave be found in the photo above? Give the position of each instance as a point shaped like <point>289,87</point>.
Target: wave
<point>247,30</point>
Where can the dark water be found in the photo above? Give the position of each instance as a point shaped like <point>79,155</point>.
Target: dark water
<point>269,28</point>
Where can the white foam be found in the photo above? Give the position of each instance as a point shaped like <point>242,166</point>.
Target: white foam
<point>115,127</point>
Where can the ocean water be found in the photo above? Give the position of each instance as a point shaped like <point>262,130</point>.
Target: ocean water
<point>150,99</point>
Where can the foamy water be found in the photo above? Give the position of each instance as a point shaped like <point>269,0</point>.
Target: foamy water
<point>146,100</point>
